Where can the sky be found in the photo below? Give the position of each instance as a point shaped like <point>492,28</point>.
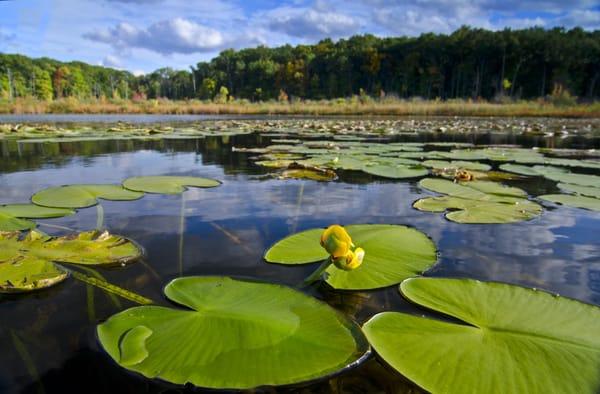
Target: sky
<point>143,35</point>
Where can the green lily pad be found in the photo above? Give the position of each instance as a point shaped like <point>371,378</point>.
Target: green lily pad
<point>519,169</point>
<point>395,171</point>
<point>392,254</point>
<point>27,263</point>
<point>32,211</point>
<point>235,335</point>
<point>588,191</point>
<point>513,339</point>
<point>575,179</point>
<point>167,184</point>
<point>11,223</point>
<point>467,165</point>
<point>82,196</point>
<point>312,174</point>
<point>12,215</point>
<point>570,200</point>
<point>478,202</point>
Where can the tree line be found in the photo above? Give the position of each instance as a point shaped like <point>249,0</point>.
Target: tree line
<point>469,63</point>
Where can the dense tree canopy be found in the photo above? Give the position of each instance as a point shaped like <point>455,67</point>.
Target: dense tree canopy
<point>469,63</point>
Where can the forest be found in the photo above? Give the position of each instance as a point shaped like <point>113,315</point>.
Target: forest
<point>468,64</point>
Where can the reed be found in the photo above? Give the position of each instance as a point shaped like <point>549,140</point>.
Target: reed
<point>350,106</point>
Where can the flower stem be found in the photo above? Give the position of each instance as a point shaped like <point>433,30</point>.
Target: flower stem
<point>315,276</point>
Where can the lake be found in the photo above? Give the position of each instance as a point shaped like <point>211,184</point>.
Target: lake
<point>49,337</point>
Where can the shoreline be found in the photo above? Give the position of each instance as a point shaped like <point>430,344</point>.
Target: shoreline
<point>341,107</point>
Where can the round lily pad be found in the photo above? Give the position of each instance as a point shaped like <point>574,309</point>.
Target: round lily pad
<point>395,171</point>
<point>478,202</point>
<point>233,334</point>
<point>82,196</point>
<point>466,165</point>
<point>519,169</point>
<point>509,339</point>
<point>589,191</point>
<point>392,254</point>
<point>167,184</point>
<point>575,201</point>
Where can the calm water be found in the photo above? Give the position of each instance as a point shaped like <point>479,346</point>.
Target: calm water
<point>48,338</point>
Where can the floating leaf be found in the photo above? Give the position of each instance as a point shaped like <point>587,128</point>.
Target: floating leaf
<point>31,257</point>
<point>513,339</point>
<point>519,169</point>
<point>589,191</point>
<point>167,184</point>
<point>81,196</point>
<point>478,202</point>
<point>466,165</point>
<point>313,174</point>
<point>392,254</point>
<point>235,335</point>
<point>11,223</point>
<point>395,171</point>
<point>590,203</point>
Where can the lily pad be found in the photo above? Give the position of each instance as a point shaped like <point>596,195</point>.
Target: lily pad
<point>11,223</point>
<point>395,171</point>
<point>82,196</point>
<point>466,165</point>
<point>589,191</point>
<point>392,254</point>
<point>12,215</point>
<point>478,202</point>
<point>313,174</point>
<point>510,339</point>
<point>233,334</point>
<point>570,200</point>
<point>31,258</point>
<point>167,184</point>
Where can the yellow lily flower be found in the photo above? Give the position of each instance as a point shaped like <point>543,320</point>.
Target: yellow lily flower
<point>336,241</point>
<point>351,261</point>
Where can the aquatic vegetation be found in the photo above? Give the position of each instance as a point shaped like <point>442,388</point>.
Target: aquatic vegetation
<point>465,165</point>
<point>30,262</point>
<point>12,216</point>
<point>392,253</point>
<point>477,202</point>
<point>576,201</point>
<point>167,184</point>
<point>233,334</point>
<point>82,196</point>
<point>395,171</point>
<point>507,339</point>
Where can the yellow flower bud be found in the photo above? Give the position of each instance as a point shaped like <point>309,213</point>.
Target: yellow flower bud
<point>336,241</point>
<point>351,261</point>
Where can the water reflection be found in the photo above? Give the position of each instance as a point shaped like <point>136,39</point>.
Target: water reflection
<point>226,231</point>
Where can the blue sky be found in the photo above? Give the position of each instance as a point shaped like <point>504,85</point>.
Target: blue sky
<point>143,35</point>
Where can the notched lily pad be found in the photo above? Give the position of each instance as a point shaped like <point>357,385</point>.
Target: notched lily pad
<point>575,201</point>
<point>29,262</point>
<point>167,184</point>
<point>233,334</point>
<point>82,196</point>
<point>478,202</point>
<point>392,254</point>
<point>513,339</point>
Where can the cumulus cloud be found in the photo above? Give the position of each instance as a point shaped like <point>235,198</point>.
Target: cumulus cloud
<point>167,37</point>
<point>111,61</point>
<point>311,22</point>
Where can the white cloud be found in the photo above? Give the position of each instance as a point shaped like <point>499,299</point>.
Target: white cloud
<point>311,22</point>
<point>111,61</point>
<point>176,35</point>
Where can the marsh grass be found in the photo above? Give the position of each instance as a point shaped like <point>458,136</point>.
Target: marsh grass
<point>350,106</point>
